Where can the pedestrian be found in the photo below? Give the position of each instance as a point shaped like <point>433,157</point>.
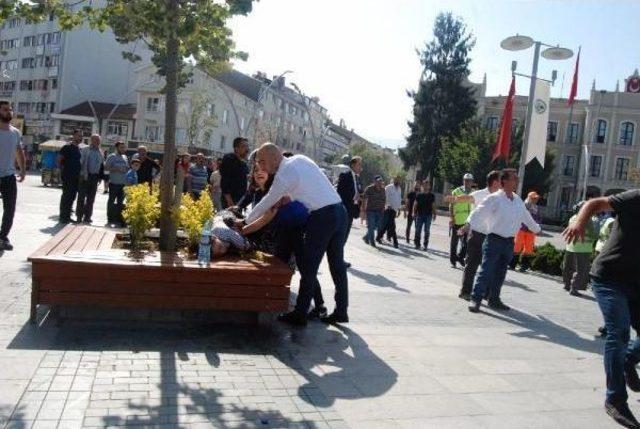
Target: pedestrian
<point>459,213</point>
<point>214,185</point>
<point>91,162</point>
<point>10,152</point>
<point>577,257</point>
<point>392,205</point>
<point>503,212</point>
<point>476,236</point>
<point>118,166</point>
<point>234,172</point>
<point>69,164</point>
<point>408,208</point>
<point>424,212</point>
<point>349,188</point>
<point>302,180</point>
<point>373,201</point>
<point>132,174</point>
<point>524,246</point>
<point>615,280</point>
<point>149,168</point>
<point>105,174</point>
<point>197,181</point>
<point>604,233</point>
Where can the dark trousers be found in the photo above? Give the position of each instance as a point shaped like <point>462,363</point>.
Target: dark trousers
<point>473,260</point>
<point>409,223</point>
<point>496,254</point>
<point>349,225</point>
<point>575,270</point>
<point>324,233</point>
<point>423,224</point>
<point>69,193</point>
<point>454,254</point>
<point>115,204</point>
<point>87,189</point>
<point>614,305</point>
<point>388,225</point>
<point>9,191</point>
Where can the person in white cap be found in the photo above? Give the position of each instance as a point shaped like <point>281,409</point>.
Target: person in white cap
<point>459,213</point>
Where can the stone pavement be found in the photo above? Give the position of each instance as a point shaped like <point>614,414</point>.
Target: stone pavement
<point>412,356</point>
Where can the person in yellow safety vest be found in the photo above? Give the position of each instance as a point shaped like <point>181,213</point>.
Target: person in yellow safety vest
<point>577,257</point>
<point>459,211</point>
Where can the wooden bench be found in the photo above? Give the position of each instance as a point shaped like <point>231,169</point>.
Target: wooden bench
<point>79,267</point>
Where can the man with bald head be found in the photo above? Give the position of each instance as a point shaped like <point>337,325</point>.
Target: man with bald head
<point>302,180</point>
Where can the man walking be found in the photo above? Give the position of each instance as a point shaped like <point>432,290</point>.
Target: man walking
<point>476,236</point>
<point>197,177</point>
<point>408,208</point>
<point>503,212</point>
<point>373,207</point>
<point>615,276</point>
<point>393,202</point>
<point>302,180</point>
<point>91,160</point>
<point>424,212</point>
<point>459,214</point>
<point>10,151</point>
<point>234,172</point>
<point>69,164</point>
<point>349,189</point>
<point>118,166</point>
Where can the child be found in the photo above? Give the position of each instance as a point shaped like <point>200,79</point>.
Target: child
<point>132,174</point>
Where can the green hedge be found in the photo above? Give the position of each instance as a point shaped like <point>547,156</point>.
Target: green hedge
<point>547,259</point>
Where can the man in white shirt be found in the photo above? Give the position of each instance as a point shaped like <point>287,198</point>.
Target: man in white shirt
<point>476,236</point>
<point>393,202</point>
<point>302,180</point>
<point>502,212</point>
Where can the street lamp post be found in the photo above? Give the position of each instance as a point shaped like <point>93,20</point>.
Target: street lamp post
<point>517,43</point>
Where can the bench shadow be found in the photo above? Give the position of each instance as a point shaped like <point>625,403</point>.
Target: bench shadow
<point>377,280</point>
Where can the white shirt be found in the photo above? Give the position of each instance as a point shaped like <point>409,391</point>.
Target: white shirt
<point>502,216</point>
<point>393,196</point>
<point>356,194</point>
<point>302,180</point>
<point>478,197</point>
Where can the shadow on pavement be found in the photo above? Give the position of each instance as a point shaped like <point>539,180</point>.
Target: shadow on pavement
<point>519,285</point>
<point>377,280</point>
<point>544,329</point>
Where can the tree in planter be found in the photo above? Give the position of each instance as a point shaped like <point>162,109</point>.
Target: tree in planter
<point>443,101</point>
<point>173,30</point>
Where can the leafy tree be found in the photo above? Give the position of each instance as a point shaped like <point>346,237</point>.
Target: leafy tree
<point>175,31</point>
<point>374,162</point>
<point>198,120</point>
<point>443,101</point>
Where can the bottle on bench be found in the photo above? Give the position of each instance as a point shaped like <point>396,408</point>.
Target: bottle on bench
<point>204,249</point>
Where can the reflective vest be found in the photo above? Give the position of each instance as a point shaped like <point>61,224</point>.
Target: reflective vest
<point>460,210</point>
<point>590,237</point>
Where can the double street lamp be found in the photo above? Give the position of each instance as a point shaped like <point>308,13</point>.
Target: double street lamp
<point>519,43</point>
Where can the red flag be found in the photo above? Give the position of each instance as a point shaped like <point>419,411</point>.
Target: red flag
<point>504,135</point>
<point>574,85</point>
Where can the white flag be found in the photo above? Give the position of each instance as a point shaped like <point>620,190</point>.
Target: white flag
<point>537,134</point>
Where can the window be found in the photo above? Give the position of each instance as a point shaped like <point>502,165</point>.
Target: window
<point>225,118</point>
<point>622,169</point>
<point>41,107</point>
<point>14,22</point>
<point>26,85</point>
<point>11,65</point>
<point>572,132</point>
<point>601,130</point>
<point>223,141</point>
<point>52,107</point>
<point>28,63</point>
<point>492,123</point>
<point>595,165</point>
<point>26,42</point>
<point>42,85</point>
<point>153,104</point>
<point>52,61</point>
<point>241,124</point>
<point>8,86</point>
<point>118,128</point>
<point>565,197</point>
<point>211,109</point>
<point>53,38</point>
<point>626,133</point>
<point>552,131</point>
<point>151,133</point>
<point>54,83</point>
<point>41,39</point>
<point>569,163</point>
<point>24,107</point>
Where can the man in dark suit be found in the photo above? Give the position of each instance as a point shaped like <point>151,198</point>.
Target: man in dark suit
<point>349,188</point>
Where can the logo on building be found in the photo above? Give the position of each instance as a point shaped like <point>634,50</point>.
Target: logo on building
<point>540,106</point>
<point>633,84</point>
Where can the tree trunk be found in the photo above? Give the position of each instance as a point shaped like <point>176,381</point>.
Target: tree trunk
<point>168,227</point>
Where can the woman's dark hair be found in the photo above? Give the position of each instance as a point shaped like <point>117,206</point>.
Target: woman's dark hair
<point>253,185</point>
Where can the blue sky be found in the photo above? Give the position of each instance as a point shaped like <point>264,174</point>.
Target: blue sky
<point>359,57</point>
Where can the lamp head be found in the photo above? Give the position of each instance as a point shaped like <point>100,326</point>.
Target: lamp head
<point>517,43</point>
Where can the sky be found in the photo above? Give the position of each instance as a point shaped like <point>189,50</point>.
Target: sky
<point>359,56</point>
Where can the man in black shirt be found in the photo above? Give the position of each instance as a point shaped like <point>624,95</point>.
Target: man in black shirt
<point>234,172</point>
<point>615,276</point>
<point>408,213</point>
<point>424,212</point>
<point>69,164</point>
<point>148,167</point>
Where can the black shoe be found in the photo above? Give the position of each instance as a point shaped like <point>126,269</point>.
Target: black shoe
<point>5,245</point>
<point>462,262</point>
<point>575,293</point>
<point>622,415</point>
<point>631,375</point>
<point>603,331</point>
<point>474,307</point>
<point>379,240</point>
<point>365,240</point>
<point>499,305</point>
<point>425,248</point>
<point>453,265</point>
<point>465,296</point>
<point>395,245</point>
<point>318,313</point>
<point>347,264</point>
<point>293,318</point>
<point>87,221</point>
<point>567,288</point>
<point>333,318</point>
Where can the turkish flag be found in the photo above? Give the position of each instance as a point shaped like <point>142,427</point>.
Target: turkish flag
<point>574,85</point>
<point>504,134</point>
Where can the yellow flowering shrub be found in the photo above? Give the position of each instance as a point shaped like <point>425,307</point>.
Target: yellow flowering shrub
<point>141,211</point>
<point>193,214</point>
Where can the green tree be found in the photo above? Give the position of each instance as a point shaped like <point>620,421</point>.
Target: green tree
<point>174,31</point>
<point>198,120</point>
<point>374,162</point>
<point>444,100</point>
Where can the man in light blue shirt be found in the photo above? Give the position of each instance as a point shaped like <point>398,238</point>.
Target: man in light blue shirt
<point>118,165</point>
<point>10,150</point>
<point>91,160</point>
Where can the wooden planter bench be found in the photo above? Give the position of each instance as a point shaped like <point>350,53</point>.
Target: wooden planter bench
<point>79,267</point>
